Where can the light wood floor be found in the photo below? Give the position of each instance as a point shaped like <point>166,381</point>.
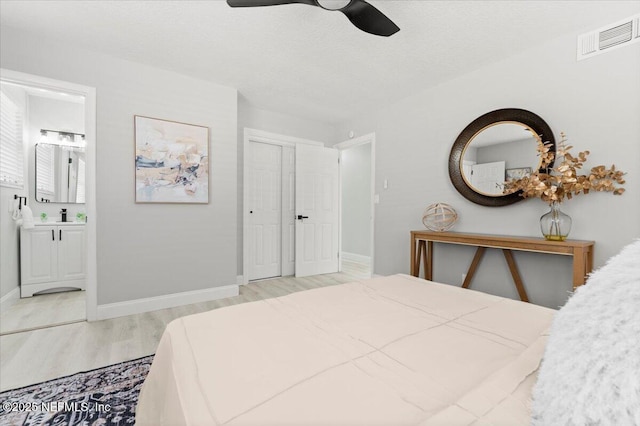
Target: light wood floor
<point>35,356</point>
<point>44,310</point>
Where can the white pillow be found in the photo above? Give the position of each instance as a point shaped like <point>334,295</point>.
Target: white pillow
<point>590,373</point>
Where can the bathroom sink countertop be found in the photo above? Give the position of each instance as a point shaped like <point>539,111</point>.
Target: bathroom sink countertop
<point>58,223</point>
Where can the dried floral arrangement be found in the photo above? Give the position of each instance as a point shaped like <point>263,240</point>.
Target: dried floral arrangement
<point>563,181</point>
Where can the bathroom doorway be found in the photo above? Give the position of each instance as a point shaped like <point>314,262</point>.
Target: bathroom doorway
<point>46,252</point>
<point>357,192</point>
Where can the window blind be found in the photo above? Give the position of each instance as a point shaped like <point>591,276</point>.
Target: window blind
<point>11,154</point>
<point>45,163</point>
<point>80,195</point>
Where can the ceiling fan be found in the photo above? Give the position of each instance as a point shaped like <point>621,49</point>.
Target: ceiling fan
<point>360,13</point>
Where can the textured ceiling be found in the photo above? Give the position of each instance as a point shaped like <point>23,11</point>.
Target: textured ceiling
<point>306,61</point>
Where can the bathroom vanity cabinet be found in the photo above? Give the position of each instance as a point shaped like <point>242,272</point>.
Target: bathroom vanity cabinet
<point>52,255</point>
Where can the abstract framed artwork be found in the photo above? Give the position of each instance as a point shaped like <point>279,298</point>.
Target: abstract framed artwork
<point>518,173</point>
<point>172,161</point>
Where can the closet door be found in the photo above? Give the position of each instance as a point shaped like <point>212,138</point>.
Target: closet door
<point>317,210</point>
<point>265,210</point>
<point>38,255</point>
<point>71,253</point>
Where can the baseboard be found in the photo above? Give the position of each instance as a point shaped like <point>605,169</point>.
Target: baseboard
<point>365,260</point>
<point>9,299</point>
<point>139,306</point>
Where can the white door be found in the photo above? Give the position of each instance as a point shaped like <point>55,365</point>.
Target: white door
<point>288,210</point>
<point>467,168</point>
<point>71,253</point>
<point>317,210</point>
<point>38,254</point>
<point>488,177</point>
<point>265,204</point>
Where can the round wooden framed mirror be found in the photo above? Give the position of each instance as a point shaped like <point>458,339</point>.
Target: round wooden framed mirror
<point>494,148</point>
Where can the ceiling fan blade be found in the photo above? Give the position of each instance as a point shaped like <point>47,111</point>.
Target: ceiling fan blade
<point>252,3</point>
<point>369,19</point>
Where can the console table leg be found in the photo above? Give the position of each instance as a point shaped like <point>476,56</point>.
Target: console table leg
<point>428,262</point>
<point>419,256</point>
<point>473,267</point>
<point>581,266</point>
<point>515,274</point>
<point>413,265</point>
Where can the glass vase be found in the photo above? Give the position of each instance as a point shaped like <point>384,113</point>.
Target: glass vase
<point>555,225</point>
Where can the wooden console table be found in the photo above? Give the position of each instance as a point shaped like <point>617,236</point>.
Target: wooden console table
<point>422,249</point>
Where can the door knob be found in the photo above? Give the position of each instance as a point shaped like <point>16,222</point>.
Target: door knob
<point>300,217</point>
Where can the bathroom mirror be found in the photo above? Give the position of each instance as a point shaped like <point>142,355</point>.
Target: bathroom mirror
<point>60,173</point>
<point>494,148</point>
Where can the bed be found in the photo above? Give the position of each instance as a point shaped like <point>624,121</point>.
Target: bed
<point>394,350</point>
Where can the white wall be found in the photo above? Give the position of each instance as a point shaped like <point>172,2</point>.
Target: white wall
<point>355,170</point>
<point>515,154</point>
<point>9,232</point>
<point>274,122</point>
<point>147,250</point>
<point>594,101</point>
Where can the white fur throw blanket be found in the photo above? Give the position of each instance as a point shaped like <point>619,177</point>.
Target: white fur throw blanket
<point>590,373</point>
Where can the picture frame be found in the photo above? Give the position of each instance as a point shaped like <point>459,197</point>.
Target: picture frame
<point>517,173</point>
<point>171,161</point>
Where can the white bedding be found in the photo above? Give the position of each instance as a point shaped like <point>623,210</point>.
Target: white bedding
<point>395,350</point>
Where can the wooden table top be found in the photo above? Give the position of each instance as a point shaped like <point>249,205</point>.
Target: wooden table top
<point>503,241</point>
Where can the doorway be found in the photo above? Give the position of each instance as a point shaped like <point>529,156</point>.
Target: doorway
<point>357,193</point>
<point>291,207</point>
<point>58,141</point>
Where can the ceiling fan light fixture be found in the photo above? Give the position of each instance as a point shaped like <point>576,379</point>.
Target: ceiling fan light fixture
<point>333,4</point>
<point>361,14</point>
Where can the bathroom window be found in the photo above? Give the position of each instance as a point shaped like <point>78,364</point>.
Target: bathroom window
<point>11,155</point>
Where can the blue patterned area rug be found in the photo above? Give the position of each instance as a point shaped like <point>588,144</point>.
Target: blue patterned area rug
<point>102,397</point>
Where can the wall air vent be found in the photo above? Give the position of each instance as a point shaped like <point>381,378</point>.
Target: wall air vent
<point>610,37</point>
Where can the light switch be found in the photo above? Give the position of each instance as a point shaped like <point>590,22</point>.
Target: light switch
<point>376,199</point>
<point>385,185</point>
